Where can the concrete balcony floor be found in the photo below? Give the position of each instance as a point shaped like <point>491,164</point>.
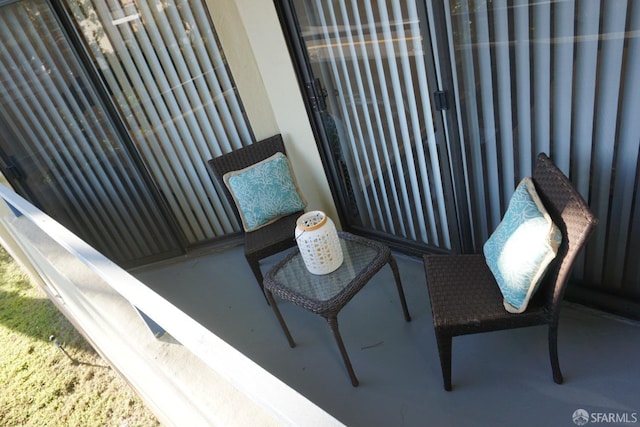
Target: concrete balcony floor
<point>500,378</point>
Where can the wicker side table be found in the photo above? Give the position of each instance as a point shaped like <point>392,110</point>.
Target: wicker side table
<point>327,294</point>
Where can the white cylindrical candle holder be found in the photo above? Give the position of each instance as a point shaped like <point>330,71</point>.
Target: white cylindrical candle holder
<point>318,242</point>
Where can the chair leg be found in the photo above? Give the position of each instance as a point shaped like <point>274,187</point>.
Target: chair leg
<point>255,267</point>
<point>553,354</point>
<point>333,324</point>
<point>444,350</point>
<point>403,300</point>
<point>283,325</point>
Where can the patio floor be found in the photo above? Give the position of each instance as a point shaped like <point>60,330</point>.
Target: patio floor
<point>500,378</point>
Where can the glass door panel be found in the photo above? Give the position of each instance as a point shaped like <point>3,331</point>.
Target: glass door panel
<point>166,74</point>
<point>374,67</point>
<point>59,148</point>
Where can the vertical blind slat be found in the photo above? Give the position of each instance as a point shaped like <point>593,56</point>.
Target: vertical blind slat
<point>523,88</point>
<point>505,105</point>
<point>563,29</point>
<point>542,78</point>
<point>587,30</point>
<point>453,41</point>
<point>489,120</point>
<point>610,70</point>
<point>586,66</point>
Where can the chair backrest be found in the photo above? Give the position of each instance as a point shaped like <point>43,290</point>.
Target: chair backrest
<point>572,215</point>
<point>242,158</point>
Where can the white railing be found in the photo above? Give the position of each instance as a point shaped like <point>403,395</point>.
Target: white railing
<point>180,382</point>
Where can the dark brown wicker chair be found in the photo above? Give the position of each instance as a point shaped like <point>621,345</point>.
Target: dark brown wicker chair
<point>270,239</point>
<point>465,298</point>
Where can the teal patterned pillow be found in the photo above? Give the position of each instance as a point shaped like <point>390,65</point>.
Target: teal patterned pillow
<point>264,192</point>
<point>522,247</point>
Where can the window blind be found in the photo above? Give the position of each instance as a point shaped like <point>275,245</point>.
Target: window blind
<point>557,77</point>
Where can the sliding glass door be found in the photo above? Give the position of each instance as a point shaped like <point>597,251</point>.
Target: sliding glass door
<point>165,72</point>
<point>60,149</point>
<point>371,74</point>
<point>513,78</point>
<point>109,112</point>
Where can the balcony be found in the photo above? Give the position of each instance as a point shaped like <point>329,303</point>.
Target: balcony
<point>498,378</point>
<point>225,360</point>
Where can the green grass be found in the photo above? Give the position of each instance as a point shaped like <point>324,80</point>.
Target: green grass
<point>42,385</point>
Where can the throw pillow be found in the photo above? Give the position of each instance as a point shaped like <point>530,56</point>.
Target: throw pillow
<point>522,247</point>
<point>264,192</point>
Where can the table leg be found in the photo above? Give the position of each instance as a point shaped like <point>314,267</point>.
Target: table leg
<point>276,310</point>
<point>333,323</point>
<point>403,301</point>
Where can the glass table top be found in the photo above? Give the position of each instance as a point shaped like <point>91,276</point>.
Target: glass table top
<point>357,257</point>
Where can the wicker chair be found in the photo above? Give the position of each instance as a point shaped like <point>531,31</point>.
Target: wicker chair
<point>270,239</point>
<point>465,298</point>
